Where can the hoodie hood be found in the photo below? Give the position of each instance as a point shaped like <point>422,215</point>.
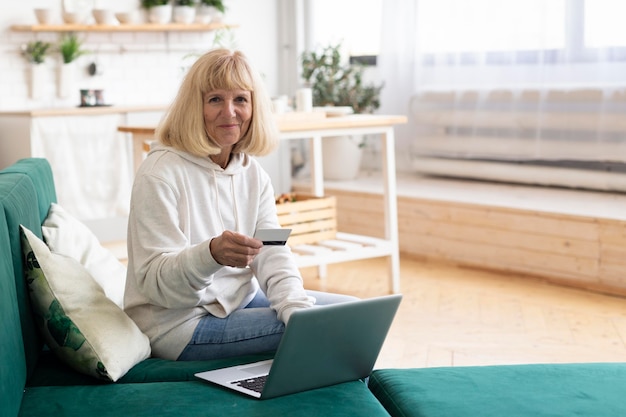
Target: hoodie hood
<point>224,193</point>
<point>238,161</point>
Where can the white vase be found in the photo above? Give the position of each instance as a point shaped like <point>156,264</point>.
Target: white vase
<point>208,14</point>
<point>160,14</point>
<point>184,14</point>
<point>341,157</point>
<point>37,80</point>
<point>67,74</point>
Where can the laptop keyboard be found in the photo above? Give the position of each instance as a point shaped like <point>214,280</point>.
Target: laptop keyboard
<point>254,384</point>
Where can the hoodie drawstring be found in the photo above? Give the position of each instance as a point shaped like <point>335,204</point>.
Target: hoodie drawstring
<point>217,201</point>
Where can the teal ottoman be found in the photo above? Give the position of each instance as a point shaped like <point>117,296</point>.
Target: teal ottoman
<point>541,390</point>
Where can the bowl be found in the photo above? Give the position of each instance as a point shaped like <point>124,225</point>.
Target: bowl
<point>44,16</point>
<point>104,16</point>
<point>126,18</point>
<point>72,17</point>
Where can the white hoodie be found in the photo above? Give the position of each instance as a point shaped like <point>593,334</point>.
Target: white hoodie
<point>179,203</point>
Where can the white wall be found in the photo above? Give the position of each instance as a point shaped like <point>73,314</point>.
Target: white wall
<point>137,68</point>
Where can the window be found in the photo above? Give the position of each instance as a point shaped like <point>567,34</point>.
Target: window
<point>604,23</point>
<point>354,23</point>
<point>527,31</point>
<point>447,26</point>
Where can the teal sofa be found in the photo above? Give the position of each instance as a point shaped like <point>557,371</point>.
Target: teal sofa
<point>537,390</point>
<point>33,382</point>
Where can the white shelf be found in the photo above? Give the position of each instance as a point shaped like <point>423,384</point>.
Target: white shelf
<point>315,131</point>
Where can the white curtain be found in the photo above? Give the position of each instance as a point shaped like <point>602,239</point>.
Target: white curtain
<point>533,83</point>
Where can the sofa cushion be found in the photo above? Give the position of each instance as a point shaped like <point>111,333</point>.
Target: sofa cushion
<point>79,323</point>
<point>539,390</point>
<point>51,371</point>
<point>195,398</point>
<point>66,235</point>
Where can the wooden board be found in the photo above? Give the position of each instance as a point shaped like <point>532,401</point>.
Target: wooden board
<point>311,218</point>
<point>578,250</point>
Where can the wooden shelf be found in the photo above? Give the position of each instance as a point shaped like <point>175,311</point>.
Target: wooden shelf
<point>142,27</point>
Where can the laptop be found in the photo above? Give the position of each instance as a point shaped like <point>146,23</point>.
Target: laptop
<point>321,346</point>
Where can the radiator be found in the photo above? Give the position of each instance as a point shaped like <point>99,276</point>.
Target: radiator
<point>572,137</point>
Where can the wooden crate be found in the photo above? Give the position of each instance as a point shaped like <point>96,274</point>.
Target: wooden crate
<point>311,219</point>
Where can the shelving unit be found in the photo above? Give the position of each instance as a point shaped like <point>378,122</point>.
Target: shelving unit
<point>343,247</point>
<point>142,27</point>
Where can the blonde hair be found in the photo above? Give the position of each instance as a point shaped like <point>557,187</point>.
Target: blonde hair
<point>183,125</point>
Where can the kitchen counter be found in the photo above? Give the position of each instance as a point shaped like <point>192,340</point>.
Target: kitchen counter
<point>90,159</point>
<point>84,111</point>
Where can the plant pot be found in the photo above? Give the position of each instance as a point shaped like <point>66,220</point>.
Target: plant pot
<point>184,14</point>
<point>160,14</point>
<point>341,157</point>
<point>66,76</point>
<point>208,14</point>
<point>37,80</point>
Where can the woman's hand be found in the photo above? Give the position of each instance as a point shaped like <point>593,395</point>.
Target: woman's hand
<point>234,249</point>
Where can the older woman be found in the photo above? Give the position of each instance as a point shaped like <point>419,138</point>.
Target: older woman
<point>198,284</point>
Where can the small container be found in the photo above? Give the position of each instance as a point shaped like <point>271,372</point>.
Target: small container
<point>99,97</point>
<point>304,100</point>
<point>87,98</point>
<point>72,17</point>
<point>126,18</point>
<point>91,98</point>
<point>44,16</point>
<point>104,16</point>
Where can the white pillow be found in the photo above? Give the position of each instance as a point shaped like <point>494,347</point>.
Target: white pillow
<point>68,236</point>
<point>78,322</point>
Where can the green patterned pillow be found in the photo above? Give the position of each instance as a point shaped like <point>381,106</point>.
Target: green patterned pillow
<point>78,322</point>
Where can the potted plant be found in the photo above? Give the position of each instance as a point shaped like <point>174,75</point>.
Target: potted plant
<point>159,11</point>
<point>211,11</point>
<point>70,48</point>
<point>184,11</point>
<point>334,82</point>
<point>35,53</point>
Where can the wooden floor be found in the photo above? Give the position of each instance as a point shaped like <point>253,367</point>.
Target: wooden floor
<point>454,316</point>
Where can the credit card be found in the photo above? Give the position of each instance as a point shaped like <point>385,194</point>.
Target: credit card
<point>273,237</point>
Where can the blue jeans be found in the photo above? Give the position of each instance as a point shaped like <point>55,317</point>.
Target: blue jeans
<point>253,329</point>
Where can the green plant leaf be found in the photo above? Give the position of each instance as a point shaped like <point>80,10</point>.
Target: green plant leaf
<point>36,51</point>
<point>337,84</point>
<point>70,48</point>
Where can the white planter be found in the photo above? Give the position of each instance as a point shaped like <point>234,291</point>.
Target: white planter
<point>37,80</point>
<point>184,14</point>
<point>160,14</point>
<point>67,75</point>
<point>208,14</point>
<point>341,157</point>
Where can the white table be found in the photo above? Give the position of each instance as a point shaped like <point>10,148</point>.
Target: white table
<point>315,129</point>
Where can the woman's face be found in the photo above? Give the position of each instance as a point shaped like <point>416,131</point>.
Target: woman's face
<point>227,115</point>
